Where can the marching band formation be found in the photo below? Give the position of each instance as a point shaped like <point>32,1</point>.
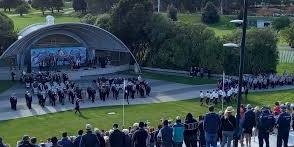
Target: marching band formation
<point>56,87</point>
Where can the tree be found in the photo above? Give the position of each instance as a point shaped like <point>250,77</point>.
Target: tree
<point>210,14</point>
<point>261,54</point>
<point>172,12</point>
<point>281,23</point>
<point>100,6</point>
<point>40,5</point>
<point>8,4</point>
<point>89,19</point>
<point>57,4</point>
<point>79,5</point>
<point>7,34</point>
<point>288,34</point>
<point>23,8</point>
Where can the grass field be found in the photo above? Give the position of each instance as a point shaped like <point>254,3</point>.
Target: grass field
<point>24,21</point>
<point>54,124</point>
<point>6,84</point>
<point>285,66</point>
<point>179,79</point>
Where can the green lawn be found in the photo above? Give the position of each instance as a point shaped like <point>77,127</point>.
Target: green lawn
<point>285,66</point>
<point>6,84</point>
<point>179,79</point>
<point>53,124</point>
<point>24,21</point>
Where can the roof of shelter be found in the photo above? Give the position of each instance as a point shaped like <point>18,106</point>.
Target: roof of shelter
<point>90,36</point>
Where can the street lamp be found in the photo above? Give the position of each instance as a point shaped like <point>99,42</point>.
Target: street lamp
<point>241,64</point>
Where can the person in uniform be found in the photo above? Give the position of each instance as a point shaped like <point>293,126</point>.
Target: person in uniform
<point>13,102</point>
<point>283,125</point>
<point>265,126</point>
<point>29,100</point>
<point>201,97</point>
<point>207,95</point>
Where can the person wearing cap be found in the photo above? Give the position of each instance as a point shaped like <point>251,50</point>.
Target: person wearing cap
<point>89,139</point>
<point>116,138</point>
<point>140,136</point>
<point>211,127</point>
<point>25,142</point>
<point>65,141</point>
<point>178,133</point>
<point>283,125</point>
<point>266,123</point>
<point>248,124</point>
<point>166,135</point>
<point>228,125</point>
<point>29,99</point>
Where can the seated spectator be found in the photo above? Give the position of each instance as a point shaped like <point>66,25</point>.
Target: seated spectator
<point>34,142</point>
<point>65,142</point>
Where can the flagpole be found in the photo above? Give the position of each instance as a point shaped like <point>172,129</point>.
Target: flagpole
<point>223,91</point>
<point>124,103</point>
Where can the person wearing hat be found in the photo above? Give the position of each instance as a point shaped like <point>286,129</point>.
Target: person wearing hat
<point>116,138</point>
<point>266,123</point>
<point>90,139</point>
<point>29,99</point>
<point>178,133</point>
<point>140,136</point>
<point>248,124</point>
<point>283,125</point>
<point>228,125</point>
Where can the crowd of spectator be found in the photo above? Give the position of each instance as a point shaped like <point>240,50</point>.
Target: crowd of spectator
<point>200,72</point>
<point>209,130</point>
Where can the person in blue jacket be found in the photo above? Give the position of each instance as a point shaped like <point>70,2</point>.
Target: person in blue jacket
<point>265,126</point>
<point>178,133</point>
<point>211,127</point>
<point>283,125</point>
<point>65,141</point>
<point>78,140</point>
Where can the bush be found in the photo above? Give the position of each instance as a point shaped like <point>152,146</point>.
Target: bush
<point>89,19</point>
<point>210,14</point>
<point>172,12</point>
<point>288,34</point>
<point>281,23</point>
<point>23,8</point>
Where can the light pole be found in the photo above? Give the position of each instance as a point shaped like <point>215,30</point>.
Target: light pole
<point>241,64</point>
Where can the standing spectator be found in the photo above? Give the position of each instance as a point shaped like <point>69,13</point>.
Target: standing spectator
<point>116,138</point>
<point>140,136</point>
<point>191,130</point>
<point>65,141</point>
<point>178,133</point>
<point>248,124</point>
<point>127,138</point>
<point>100,137</point>
<point>201,132</point>
<point>90,139</point>
<point>283,125</point>
<point>228,122</point>
<point>277,109</point>
<point>1,143</point>
<point>266,125</point>
<point>25,142</point>
<point>157,141</point>
<point>152,137</point>
<point>78,139</point>
<point>211,126</point>
<point>166,135</point>
<point>34,142</point>
<point>54,141</point>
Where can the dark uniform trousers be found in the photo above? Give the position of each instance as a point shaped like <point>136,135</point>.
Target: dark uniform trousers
<point>282,137</point>
<point>262,135</point>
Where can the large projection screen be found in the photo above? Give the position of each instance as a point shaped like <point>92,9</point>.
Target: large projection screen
<point>63,56</point>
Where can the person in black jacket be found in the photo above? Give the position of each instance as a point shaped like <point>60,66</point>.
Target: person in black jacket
<point>25,142</point>
<point>228,125</point>
<point>100,137</point>
<point>157,141</point>
<point>201,132</point>
<point>248,124</point>
<point>29,100</point>
<point>191,131</point>
<point>140,136</point>
<point>116,138</point>
<point>90,139</point>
